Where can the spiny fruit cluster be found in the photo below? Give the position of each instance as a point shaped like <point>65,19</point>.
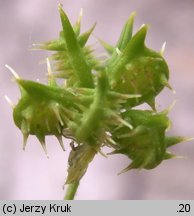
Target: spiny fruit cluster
<point>94,105</point>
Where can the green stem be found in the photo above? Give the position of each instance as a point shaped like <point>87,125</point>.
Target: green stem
<point>71,191</point>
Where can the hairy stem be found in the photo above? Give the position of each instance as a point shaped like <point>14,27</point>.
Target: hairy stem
<point>71,191</point>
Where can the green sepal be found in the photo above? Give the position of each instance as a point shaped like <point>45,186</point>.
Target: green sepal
<point>174,140</point>
<point>44,92</point>
<point>83,38</point>
<point>132,49</point>
<point>109,48</point>
<point>77,26</point>
<point>53,45</point>
<point>126,33</point>
<point>124,38</point>
<point>169,155</point>
<point>59,44</point>
<point>76,57</point>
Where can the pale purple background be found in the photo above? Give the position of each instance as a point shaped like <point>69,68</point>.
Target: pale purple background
<point>31,175</point>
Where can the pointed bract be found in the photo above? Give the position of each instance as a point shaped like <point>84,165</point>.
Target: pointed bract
<point>83,38</point>
<point>173,140</point>
<point>77,25</point>
<point>82,70</point>
<point>60,139</point>
<point>109,48</point>
<point>43,144</point>
<point>25,138</point>
<point>127,32</point>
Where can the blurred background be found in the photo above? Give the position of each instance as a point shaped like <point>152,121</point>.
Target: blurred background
<point>31,175</point>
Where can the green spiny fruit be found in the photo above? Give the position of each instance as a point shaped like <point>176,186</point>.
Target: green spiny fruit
<point>146,145</point>
<point>43,110</point>
<point>135,69</point>
<point>73,60</point>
